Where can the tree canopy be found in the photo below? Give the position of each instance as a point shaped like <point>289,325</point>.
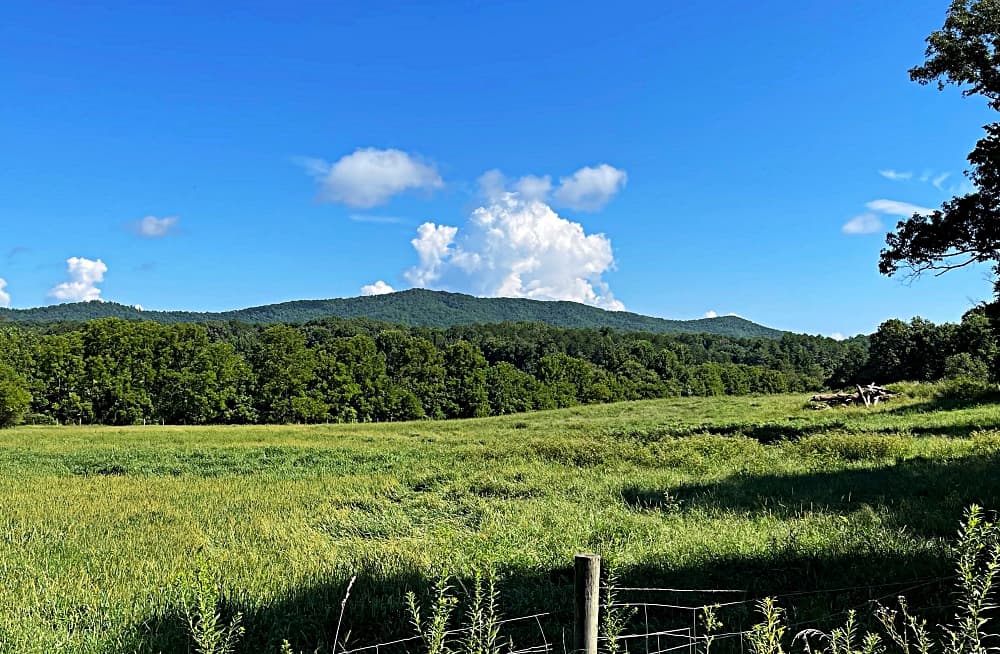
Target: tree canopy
<point>966,230</point>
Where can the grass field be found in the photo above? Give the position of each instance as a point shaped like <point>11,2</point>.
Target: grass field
<point>100,527</point>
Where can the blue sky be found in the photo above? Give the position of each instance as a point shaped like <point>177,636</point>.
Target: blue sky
<point>670,158</point>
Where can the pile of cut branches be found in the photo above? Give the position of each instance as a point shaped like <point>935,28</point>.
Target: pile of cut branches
<point>869,395</point>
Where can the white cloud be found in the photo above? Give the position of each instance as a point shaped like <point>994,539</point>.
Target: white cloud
<point>530,187</point>
<point>837,336</point>
<point>84,275</point>
<point>153,227</point>
<point>896,208</point>
<point>432,245</point>
<point>710,314</point>
<point>369,177</point>
<point>4,295</point>
<point>513,247</point>
<point>939,180</point>
<point>378,288</point>
<point>589,189</point>
<point>138,307</point>
<point>493,185</point>
<point>895,175</point>
<point>866,223</point>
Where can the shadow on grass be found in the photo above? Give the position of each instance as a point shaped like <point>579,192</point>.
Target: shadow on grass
<point>925,496</point>
<point>821,589</point>
<point>769,433</point>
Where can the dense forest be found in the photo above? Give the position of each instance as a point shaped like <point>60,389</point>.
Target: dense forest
<point>113,371</point>
<point>419,307</point>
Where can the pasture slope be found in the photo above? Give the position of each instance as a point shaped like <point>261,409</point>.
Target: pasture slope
<point>100,527</point>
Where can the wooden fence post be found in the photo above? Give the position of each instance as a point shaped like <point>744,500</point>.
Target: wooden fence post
<point>587,602</point>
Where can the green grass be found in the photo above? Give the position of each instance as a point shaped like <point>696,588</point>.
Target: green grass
<point>99,526</point>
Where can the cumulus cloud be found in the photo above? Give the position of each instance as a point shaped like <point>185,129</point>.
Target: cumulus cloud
<point>378,288</point>
<point>895,175</point>
<point>84,276</point>
<point>896,208</point>
<point>515,247</point>
<point>369,177</point>
<point>432,245</point>
<point>589,189</point>
<point>837,336</point>
<point>866,223</point>
<point>710,314</point>
<point>153,227</point>
<point>4,295</point>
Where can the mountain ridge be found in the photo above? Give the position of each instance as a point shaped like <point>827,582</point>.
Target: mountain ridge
<point>414,307</point>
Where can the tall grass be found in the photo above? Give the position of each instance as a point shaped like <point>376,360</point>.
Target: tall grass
<point>96,524</point>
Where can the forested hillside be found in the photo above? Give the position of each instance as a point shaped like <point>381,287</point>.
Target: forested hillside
<point>113,371</point>
<point>415,307</point>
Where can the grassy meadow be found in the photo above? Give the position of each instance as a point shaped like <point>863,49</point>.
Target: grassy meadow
<point>102,530</point>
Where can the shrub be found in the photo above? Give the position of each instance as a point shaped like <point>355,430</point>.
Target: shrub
<point>39,419</point>
<point>916,390</point>
<point>966,390</point>
<point>965,366</point>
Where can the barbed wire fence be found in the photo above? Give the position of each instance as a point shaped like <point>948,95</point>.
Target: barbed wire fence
<point>659,620</point>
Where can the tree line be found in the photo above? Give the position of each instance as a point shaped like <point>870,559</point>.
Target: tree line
<point>118,372</point>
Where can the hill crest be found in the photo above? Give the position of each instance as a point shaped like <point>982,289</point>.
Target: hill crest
<point>414,307</point>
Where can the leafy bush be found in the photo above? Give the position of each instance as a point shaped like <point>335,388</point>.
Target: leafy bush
<point>39,419</point>
<point>966,389</point>
<point>965,366</point>
<point>915,390</point>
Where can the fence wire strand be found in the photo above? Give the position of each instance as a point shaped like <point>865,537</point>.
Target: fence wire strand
<point>657,640</point>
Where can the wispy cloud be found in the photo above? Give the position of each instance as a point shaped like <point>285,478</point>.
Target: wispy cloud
<point>866,223</point>
<point>153,227</point>
<point>837,336</point>
<point>896,175</point>
<point>84,276</point>
<point>17,251</point>
<point>897,208</point>
<point>369,177</point>
<point>365,218</point>
<point>4,295</point>
<point>928,176</point>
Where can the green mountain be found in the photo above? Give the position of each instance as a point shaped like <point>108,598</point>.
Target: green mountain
<point>416,307</point>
